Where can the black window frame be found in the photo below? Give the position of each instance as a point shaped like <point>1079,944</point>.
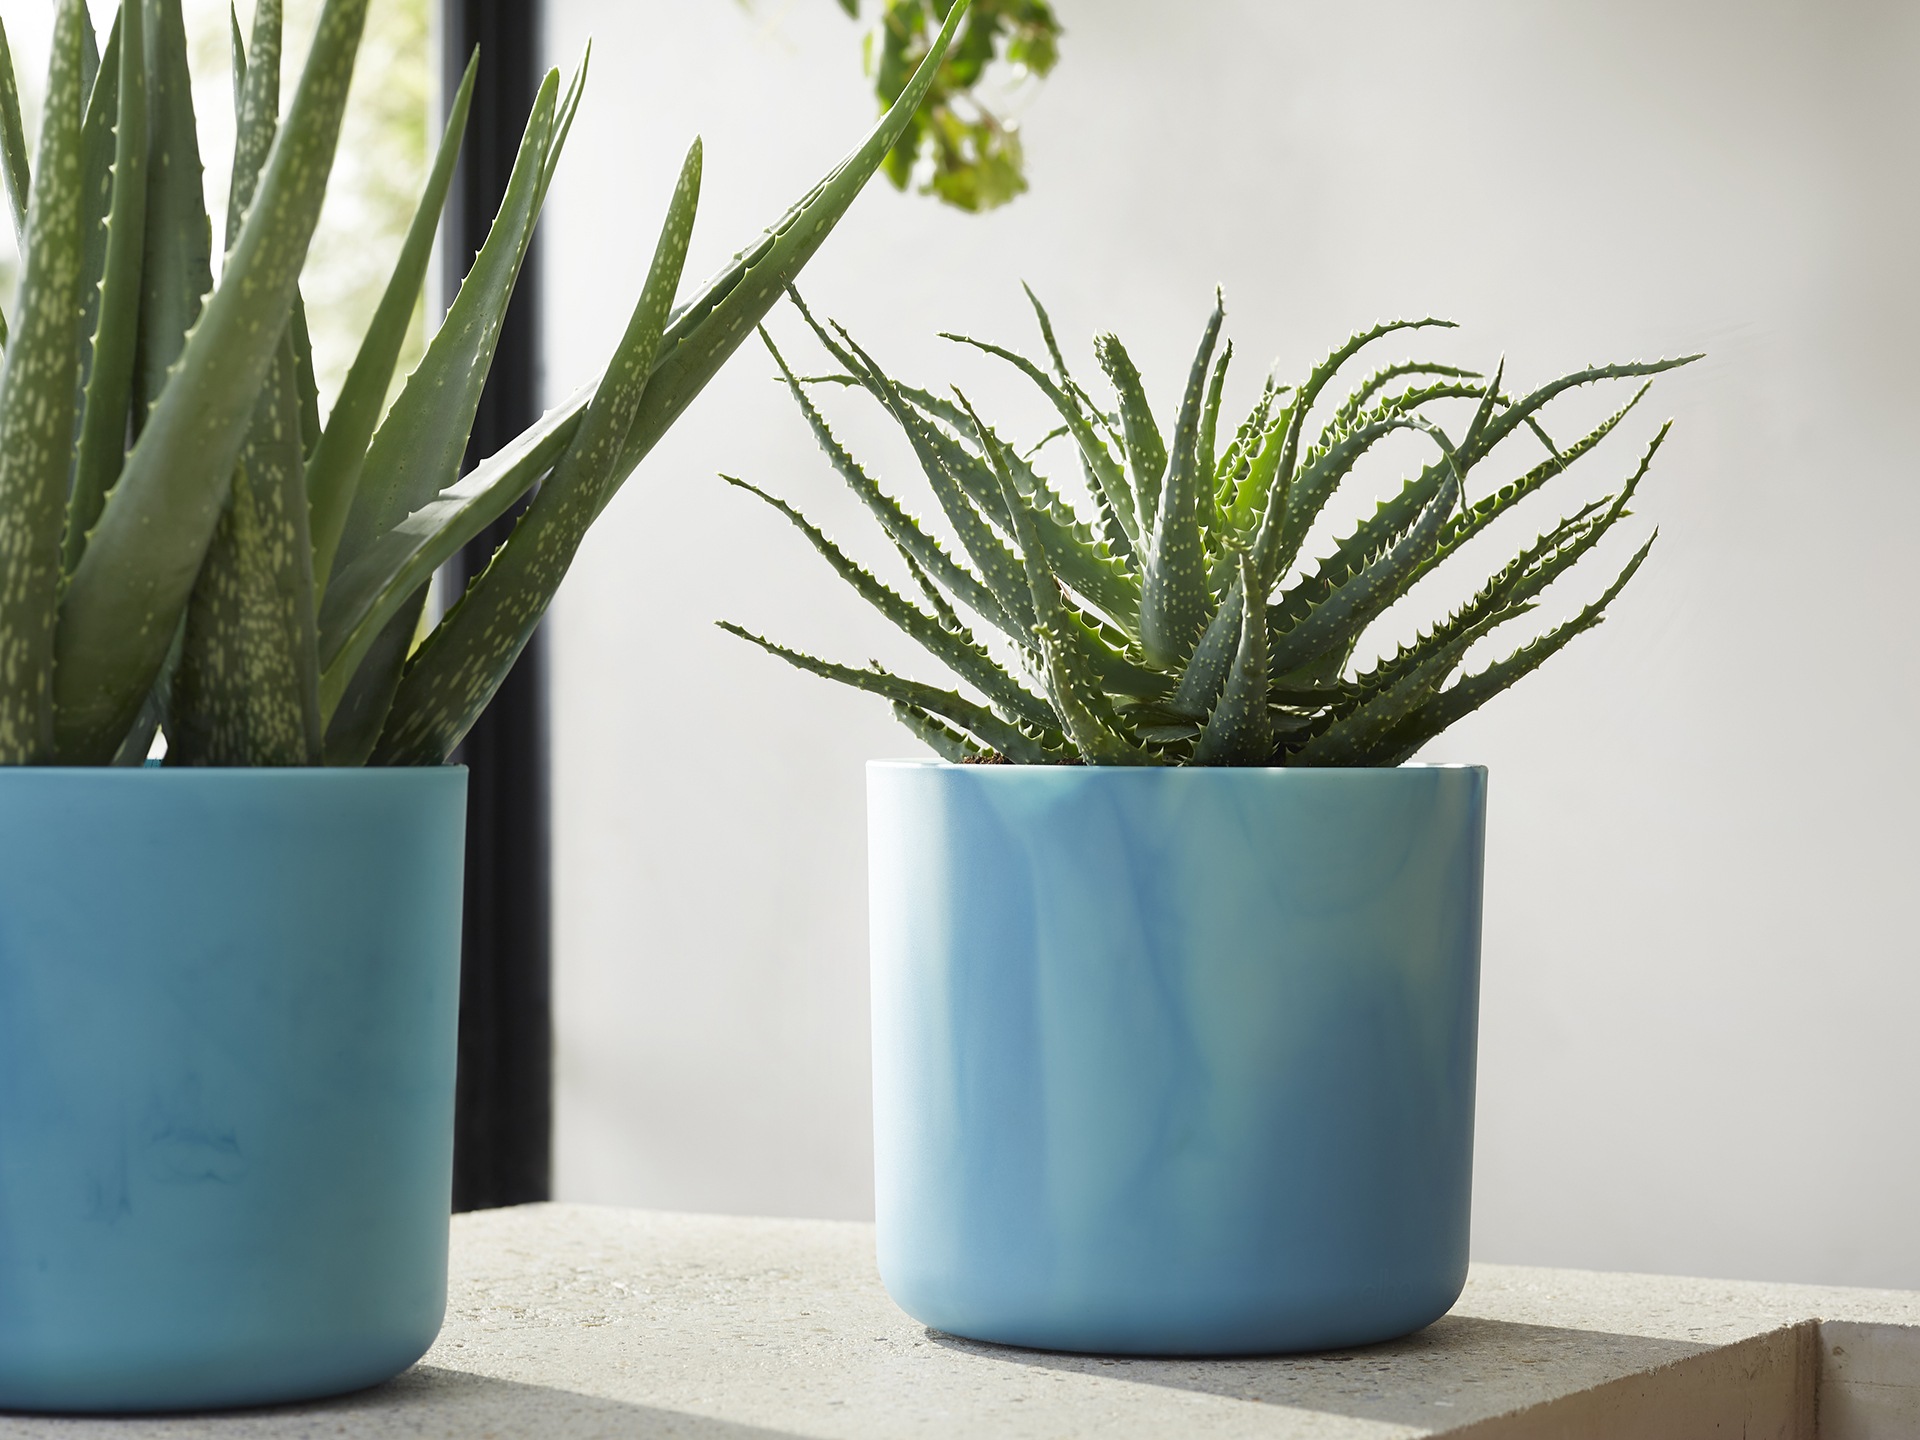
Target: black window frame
<point>503,1116</point>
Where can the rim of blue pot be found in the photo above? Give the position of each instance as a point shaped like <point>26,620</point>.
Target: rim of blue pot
<point>997,767</point>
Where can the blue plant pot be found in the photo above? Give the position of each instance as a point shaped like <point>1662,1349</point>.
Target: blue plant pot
<point>227,1015</point>
<point>1174,1061</point>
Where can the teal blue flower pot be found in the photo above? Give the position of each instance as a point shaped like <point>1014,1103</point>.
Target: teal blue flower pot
<point>1174,1061</point>
<point>227,1014</point>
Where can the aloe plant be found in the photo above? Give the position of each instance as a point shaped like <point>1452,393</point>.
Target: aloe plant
<point>1188,621</point>
<point>185,541</point>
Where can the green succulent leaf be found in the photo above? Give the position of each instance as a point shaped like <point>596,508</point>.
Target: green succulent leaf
<point>1267,681</point>
<point>177,270</point>
<point>333,479</point>
<point>108,402</point>
<point>37,386</point>
<point>901,527</point>
<point>949,705</point>
<point>956,649</point>
<point>453,675</point>
<point>13,144</point>
<point>1175,603</point>
<point>1240,731</point>
<point>947,743</point>
<point>1146,451</point>
<point>707,330</point>
<point>125,598</point>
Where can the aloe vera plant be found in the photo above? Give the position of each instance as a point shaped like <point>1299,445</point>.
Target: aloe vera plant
<point>185,541</point>
<point>1189,622</point>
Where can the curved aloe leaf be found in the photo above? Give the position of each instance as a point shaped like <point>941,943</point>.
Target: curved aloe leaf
<point>36,412</point>
<point>333,477</point>
<point>956,649</point>
<point>416,452</point>
<point>454,673</point>
<point>107,404</point>
<point>177,270</point>
<point>1009,739</point>
<point>13,145</point>
<point>131,585</point>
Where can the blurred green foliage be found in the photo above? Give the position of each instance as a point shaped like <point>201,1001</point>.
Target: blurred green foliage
<point>969,155</point>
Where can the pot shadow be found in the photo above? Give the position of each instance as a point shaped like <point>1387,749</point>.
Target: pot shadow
<point>425,1403</point>
<point>1458,1370</point>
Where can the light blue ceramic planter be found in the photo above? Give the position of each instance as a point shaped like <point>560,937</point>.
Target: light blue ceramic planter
<point>1174,1061</point>
<point>227,1012</point>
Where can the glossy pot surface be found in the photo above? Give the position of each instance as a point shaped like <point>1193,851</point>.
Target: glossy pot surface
<point>1174,1061</point>
<point>228,1002</point>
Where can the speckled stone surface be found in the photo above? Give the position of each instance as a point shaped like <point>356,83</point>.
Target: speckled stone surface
<point>574,1321</point>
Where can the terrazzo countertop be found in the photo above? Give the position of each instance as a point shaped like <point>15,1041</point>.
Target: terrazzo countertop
<point>573,1321</point>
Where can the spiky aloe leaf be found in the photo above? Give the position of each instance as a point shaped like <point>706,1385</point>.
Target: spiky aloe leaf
<point>102,443</point>
<point>333,478</point>
<point>1078,561</point>
<point>1206,461</point>
<point>1472,691</point>
<point>36,412</point>
<point>1078,699</point>
<point>1303,504</point>
<point>957,650</point>
<point>13,145</point>
<point>1206,669</point>
<point>997,566</point>
<point>948,744</point>
<point>1146,451</point>
<point>96,188</point>
<point>1528,406</point>
<point>949,705</point>
<point>935,597</point>
<point>1240,731</point>
<point>417,449</point>
<point>1336,622</point>
<point>1356,736</point>
<point>451,677</point>
<point>902,528</point>
<point>246,692</point>
<point>177,270</point>
<point>1105,478</point>
<point>128,591</point>
<point>247,688</point>
<point>367,597</point>
<point>1356,402</point>
<point>1285,526</point>
<point>708,329</point>
<point>1483,512</point>
<point>1175,603</point>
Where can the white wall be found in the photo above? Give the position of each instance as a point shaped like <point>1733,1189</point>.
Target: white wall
<point>1701,989</point>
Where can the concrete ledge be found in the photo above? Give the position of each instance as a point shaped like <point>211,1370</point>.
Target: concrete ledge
<point>576,1321</point>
